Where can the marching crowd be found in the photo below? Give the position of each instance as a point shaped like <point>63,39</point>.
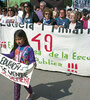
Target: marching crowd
<point>67,18</point>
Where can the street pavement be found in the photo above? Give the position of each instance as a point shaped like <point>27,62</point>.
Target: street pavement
<point>50,86</point>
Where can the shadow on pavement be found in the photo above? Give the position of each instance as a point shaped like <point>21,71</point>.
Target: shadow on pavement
<point>53,91</point>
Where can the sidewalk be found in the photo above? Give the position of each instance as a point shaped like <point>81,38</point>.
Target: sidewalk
<point>50,86</point>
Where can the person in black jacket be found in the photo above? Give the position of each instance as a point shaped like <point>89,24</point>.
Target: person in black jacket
<point>29,16</point>
<point>73,24</point>
<point>47,17</point>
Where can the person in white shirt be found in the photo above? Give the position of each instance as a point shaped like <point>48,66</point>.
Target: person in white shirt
<point>20,12</point>
<point>4,17</point>
<point>19,19</point>
<point>11,16</point>
<point>55,12</point>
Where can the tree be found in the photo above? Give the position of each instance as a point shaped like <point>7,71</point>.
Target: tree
<point>5,3</point>
<point>67,3</point>
<point>1,4</point>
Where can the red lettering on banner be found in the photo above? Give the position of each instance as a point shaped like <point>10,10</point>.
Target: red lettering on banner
<point>48,49</point>
<point>26,80</point>
<point>3,73</point>
<point>68,65</point>
<point>12,78</point>
<point>76,66</point>
<point>72,70</point>
<point>75,71</point>
<point>72,67</point>
<point>36,40</point>
<point>48,35</point>
<point>16,79</point>
<point>21,80</point>
<point>68,69</point>
<point>2,44</point>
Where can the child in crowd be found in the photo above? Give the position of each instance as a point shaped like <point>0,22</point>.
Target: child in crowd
<point>21,52</point>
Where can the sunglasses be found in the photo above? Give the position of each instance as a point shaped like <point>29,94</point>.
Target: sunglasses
<point>47,14</point>
<point>3,10</point>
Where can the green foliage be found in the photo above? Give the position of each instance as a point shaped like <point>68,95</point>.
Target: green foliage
<point>5,3</point>
<point>11,3</point>
<point>67,3</point>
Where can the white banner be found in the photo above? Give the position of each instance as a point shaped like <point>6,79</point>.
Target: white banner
<point>62,50</point>
<point>15,71</point>
<point>80,4</point>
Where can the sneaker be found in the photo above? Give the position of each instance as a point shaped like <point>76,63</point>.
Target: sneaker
<point>31,97</point>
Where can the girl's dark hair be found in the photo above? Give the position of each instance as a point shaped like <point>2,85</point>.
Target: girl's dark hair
<point>20,33</point>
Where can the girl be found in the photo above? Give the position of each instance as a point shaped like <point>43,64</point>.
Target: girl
<point>21,52</point>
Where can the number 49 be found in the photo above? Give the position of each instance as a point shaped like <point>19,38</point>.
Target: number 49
<point>47,47</point>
